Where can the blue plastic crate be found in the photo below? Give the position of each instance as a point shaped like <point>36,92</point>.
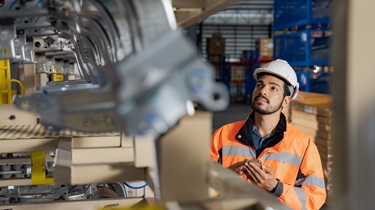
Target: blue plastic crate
<point>304,48</point>
<point>315,82</point>
<point>291,13</point>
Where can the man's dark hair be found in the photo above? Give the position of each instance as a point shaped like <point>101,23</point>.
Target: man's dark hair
<point>286,84</point>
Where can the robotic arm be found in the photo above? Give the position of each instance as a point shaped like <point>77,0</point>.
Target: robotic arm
<point>142,73</point>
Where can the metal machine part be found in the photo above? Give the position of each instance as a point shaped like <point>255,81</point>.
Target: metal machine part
<point>156,91</point>
<point>83,159</point>
<point>18,166</point>
<point>130,52</point>
<point>95,112</point>
<point>54,55</point>
<point>51,193</point>
<point>15,171</point>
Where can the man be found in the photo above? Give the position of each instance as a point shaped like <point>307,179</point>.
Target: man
<point>269,152</point>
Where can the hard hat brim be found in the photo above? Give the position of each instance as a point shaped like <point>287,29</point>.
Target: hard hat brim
<point>261,70</point>
<point>272,72</point>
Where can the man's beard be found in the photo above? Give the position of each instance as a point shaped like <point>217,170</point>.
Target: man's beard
<point>259,110</point>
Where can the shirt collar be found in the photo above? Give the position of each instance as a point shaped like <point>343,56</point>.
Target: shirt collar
<point>244,134</point>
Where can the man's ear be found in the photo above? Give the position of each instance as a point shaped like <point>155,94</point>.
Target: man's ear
<point>286,101</point>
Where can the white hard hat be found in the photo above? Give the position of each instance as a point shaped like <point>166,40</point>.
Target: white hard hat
<point>282,69</point>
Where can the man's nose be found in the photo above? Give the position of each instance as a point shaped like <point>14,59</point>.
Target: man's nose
<point>263,91</point>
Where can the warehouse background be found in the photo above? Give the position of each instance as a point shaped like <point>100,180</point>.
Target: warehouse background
<point>245,36</point>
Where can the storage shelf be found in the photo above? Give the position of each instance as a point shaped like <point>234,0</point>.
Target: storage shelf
<point>307,47</point>
<point>314,23</point>
<point>314,82</point>
<point>310,63</point>
<point>264,60</point>
<point>291,13</point>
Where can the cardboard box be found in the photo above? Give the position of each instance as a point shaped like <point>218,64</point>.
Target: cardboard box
<point>216,45</point>
<point>215,58</point>
<point>265,47</point>
<point>237,73</point>
<point>312,114</point>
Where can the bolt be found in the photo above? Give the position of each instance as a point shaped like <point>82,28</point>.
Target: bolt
<point>37,44</point>
<point>108,121</point>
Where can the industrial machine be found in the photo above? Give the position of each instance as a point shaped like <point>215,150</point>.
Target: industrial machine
<point>116,105</point>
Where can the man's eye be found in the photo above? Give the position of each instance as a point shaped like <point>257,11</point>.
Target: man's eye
<point>275,89</point>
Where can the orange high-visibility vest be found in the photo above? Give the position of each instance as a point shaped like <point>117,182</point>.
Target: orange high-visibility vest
<point>295,153</point>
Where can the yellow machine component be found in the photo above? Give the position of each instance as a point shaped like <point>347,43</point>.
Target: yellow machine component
<point>5,83</point>
<point>58,77</point>
<point>21,86</point>
<point>5,87</point>
<point>38,170</point>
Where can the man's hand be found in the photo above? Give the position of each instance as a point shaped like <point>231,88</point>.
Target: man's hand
<point>260,175</point>
<point>238,167</point>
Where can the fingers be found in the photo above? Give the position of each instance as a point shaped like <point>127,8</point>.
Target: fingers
<point>239,170</point>
<point>254,172</point>
<point>257,162</point>
<point>260,175</point>
<point>267,170</point>
<point>237,167</point>
<point>249,173</point>
<point>253,169</point>
<point>257,171</point>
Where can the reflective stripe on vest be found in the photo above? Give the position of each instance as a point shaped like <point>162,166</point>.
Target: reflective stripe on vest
<point>301,196</point>
<point>250,153</point>
<point>239,151</point>
<point>311,180</point>
<point>284,157</point>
